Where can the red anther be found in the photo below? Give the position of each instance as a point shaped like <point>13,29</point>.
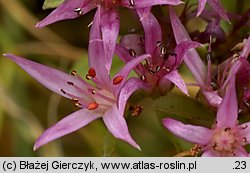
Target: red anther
<point>92,106</point>
<point>92,72</point>
<point>117,80</point>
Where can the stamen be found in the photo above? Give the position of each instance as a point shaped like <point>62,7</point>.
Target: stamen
<point>92,72</point>
<point>151,72</point>
<point>88,77</point>
<point>159,43</point>
<point>143,78</point>
<point>244,127</point>
<point>75,100</point>
<point>64,92</point>
<point>92,91</point>
<point>163,51</point>
<point>73,72</point>
<point>166,69</point>
<point>132,53</point>
<point>117,80</point>
<point>79,11</point>
<point>246,103</point>
<point>70,83</point>
<point>92,106</point>
<point>78,104</point>
<point>131,3</point>
<point>157,68</point>
<point>236,56</point>
<point>214,85</point>
<point>90,24</point>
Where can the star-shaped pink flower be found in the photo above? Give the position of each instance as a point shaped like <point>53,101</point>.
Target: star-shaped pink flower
<point>226,138</point>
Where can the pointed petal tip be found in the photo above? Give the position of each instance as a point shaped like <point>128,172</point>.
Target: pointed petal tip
<point>35,147</point>
<point>134,144</point>
<point>139,148</point>
<point>38,25</point>
<point>9,55</point>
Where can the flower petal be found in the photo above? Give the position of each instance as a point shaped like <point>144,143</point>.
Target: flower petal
<point>227,113</point>
<point>53,79</point>
<point>117,125</point>
<point>201,6</point>
<point>96,52</point>
<point>149,3</point>
<point>67,11</point>
<point>181,49</point>
<point>218,8</point>
<point>240,152</point>
<point>127,90</point>
<point>194,134</point>
<point>109,24</point>
<point>210,153</point>
<point>213,98</point>
<point>191,58</point>
<point>152,30</point>
<point>67,125</point>
<point>175,77</point>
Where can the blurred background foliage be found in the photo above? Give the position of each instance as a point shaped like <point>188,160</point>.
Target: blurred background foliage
<point>27,108</point>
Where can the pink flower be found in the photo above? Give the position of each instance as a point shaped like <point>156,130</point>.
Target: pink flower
<point>161,69</point>
<point>71,9</point>
<point>106,100</point>
<point>226,138</point>
<point>201,73</point>
<point>194,63</point>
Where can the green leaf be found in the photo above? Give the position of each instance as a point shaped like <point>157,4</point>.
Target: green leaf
<point>52,3</point>
<point>179,106</point>
<point>184,109</point>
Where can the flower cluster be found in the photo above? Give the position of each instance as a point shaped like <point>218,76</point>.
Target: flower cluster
<point>155,54</point>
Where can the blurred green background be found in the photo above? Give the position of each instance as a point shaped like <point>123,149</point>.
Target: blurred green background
<point>27,108</point>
